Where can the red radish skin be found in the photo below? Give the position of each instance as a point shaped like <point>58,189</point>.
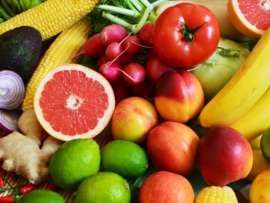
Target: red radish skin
<point>114,50</point>
<point>121,90</point>
<point>102,60</point>
<point>134,73</point>
<point>125,59</point>
<point>94,47</point>
<point>144,89</point>
<point>111,71</point>
<point>155,68</point>
<point>7,199</point>
<point>113,33</point>
<point>146,34</point>
<point>132,45</point>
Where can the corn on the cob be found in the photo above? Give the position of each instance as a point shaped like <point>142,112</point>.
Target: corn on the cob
<point>51,17</point>
<point>61,52</point>
<point>217,195</point>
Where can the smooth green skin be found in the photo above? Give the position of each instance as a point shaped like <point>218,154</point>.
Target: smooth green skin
<point>42,196</point>
<point>104,187</point>
<point>265,144</point>
<point>125,158</point>
<point>218,70</point>
<point>73,162</point>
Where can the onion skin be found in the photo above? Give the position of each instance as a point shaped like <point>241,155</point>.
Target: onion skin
<point>12,90</point>
<point>8,122</point>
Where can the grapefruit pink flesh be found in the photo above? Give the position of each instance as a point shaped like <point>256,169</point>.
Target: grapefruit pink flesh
<point>74,102</point>
<point>258,15</point>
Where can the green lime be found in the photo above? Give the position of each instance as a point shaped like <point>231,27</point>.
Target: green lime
<point>104,187</point>
<point>42,196</point>
<point>74,161</point>
<point>265,144</point>
<point>125,158</point>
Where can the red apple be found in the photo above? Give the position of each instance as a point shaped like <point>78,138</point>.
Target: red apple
<point>179,96</point>
<point>225,156</point>
<point>172,147</point>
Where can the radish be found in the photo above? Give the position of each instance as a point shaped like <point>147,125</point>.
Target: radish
<point>111,71</point>
<point>132,45</point>
<point>134,73</point>
<point>144,89</point>
<point>114,50</point>
<point>113,33</point>
<point>102,60</point>
<point>155,68</point>
<point>146,34</point>
<point>125,59</point>
<point>121,90</point>
<point>94,47</point>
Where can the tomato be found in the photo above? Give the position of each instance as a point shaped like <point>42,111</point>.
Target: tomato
<point>186,35</point>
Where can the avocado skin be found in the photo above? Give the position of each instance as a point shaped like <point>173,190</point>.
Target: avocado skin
<point>20,50</point>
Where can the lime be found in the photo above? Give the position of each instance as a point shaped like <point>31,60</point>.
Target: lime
<point>125,158</point>
<point>265,144</point>
<point>74,161</point>
<point>104,187</point>
<point>42,196</point>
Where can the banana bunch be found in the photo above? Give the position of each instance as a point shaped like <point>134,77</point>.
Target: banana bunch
<point>10,8</point>
<point>244,103</point>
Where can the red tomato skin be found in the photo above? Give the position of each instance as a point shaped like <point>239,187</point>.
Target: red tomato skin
<point>170,43</point>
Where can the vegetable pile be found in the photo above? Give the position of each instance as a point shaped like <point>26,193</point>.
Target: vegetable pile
<point>175,93</point>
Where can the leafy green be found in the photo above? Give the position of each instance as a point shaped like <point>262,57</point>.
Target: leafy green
<point>132,14</point>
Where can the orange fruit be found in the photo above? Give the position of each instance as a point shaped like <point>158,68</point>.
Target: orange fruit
<point>250,17</point>
<point>74,102</point>
<point>165,187</point>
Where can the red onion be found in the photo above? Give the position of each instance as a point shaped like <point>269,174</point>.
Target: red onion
<point>8,122</point>
<point>11,90</point>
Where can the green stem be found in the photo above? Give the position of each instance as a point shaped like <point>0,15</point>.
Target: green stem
<point>146,15</point>
<point>123,11</point>
<point>132,7</point>
<point>145,3</point>
<point>228,52</point>
<point>137,5</point>
<point>117,20</point>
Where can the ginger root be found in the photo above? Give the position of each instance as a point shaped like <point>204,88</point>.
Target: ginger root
<point>23,153</point>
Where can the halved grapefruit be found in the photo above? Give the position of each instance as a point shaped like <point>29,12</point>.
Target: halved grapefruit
<point>250,17</point>
<point>74,102</point>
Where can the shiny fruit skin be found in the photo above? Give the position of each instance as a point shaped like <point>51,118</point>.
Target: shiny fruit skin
<point>179,96</point>
<point>260,188</point>
<point>133,118</point>
<point>172,147</point>
<point>166,187</point>
<point>185,35</point>
<point>224,156</point>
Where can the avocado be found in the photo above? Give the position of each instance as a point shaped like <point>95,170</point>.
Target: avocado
<point>20,50</point>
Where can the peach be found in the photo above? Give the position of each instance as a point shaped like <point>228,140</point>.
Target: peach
<point>172,147</point>
<point>133,118</point>
<point>225,156</point>
<point>179,96</point>
<point>165,187</point>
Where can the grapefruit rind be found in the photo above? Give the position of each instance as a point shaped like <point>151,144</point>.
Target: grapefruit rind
<point>102,123</point>
<point>240,22</point>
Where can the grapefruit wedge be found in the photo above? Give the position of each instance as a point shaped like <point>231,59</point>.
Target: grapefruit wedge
<point>74,102</point>
<point>250,17</point>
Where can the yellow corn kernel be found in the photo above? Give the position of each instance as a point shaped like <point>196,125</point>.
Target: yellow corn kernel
<point>51,17</point>
<point>62,51</point>
<point>215,194</point>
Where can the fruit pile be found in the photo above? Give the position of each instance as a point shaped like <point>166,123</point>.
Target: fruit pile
<point>137,101</point>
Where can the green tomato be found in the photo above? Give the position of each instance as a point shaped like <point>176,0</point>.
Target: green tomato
<point>220,67</point>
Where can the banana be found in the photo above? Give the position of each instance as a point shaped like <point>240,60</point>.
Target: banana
<point>243,91</point>
<point>256,120</point>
